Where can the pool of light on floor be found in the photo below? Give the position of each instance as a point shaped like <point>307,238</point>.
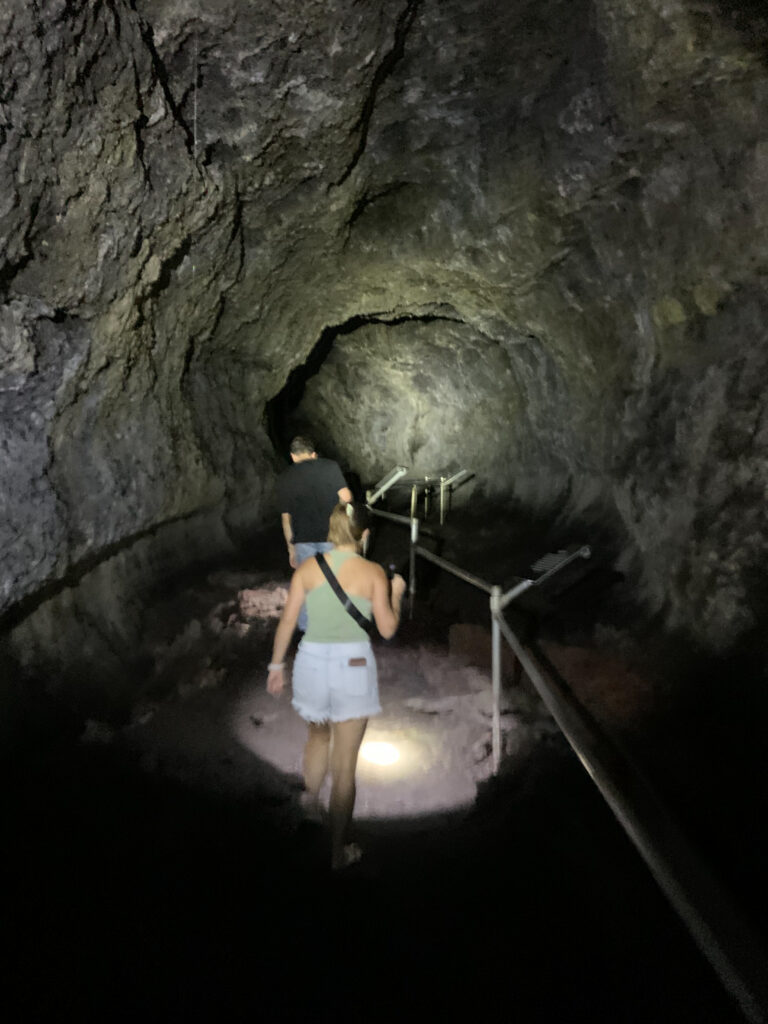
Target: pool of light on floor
<point>379,752</point>
<point>405,768</point>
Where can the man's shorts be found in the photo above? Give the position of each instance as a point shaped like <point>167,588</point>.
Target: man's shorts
<point>335,682</point>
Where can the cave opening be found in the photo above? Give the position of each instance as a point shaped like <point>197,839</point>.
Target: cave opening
<point>279,411</point>
<point>283,416</point>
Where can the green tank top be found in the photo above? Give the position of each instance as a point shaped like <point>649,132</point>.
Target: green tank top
<point>329,621</point>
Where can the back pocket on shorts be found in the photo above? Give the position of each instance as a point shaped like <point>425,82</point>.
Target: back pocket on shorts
<point>354,679</point>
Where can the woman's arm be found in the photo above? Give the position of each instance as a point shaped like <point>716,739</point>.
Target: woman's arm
<point>386,612</point>
<point>284,632</point>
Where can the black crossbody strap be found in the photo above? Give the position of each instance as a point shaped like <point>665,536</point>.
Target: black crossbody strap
<point>343,596</point>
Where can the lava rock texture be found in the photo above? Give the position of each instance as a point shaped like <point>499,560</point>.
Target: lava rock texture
<point>527,238</point>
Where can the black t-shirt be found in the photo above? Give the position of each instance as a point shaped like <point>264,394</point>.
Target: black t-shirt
<point>308,491</point>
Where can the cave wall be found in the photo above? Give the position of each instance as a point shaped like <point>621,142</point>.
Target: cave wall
<point>546,221</point>
<point>108,276</point>
<point>598,195</point>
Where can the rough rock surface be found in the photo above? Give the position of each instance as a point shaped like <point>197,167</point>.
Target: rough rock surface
<point>528,237</point>
<point>593,333</point>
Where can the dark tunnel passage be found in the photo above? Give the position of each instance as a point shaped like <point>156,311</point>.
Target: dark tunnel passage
<point>280,410</point>
<point>526,240</point>
<point>283,414</point>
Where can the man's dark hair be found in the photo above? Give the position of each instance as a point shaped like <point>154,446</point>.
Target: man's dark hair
<point>302,446</point>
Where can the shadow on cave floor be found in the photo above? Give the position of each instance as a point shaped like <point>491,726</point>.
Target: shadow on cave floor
<point>170,878</point>
<point>132,895</point>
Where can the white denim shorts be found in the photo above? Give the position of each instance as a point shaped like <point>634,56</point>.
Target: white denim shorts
<point>335,682</point>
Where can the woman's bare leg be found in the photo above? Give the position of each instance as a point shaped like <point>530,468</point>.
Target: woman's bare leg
<point>316,753</point>
<point>347,737</point>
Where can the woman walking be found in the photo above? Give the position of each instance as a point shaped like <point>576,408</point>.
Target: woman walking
<point>335,687</point>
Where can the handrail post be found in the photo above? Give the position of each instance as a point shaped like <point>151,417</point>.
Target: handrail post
<point>381,488</point>
<point>412,566</point>
<point>496,677</point>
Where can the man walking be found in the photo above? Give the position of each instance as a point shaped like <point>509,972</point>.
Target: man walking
<point>307,493</point>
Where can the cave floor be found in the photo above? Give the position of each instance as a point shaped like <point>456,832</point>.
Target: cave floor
<point>160,868</point>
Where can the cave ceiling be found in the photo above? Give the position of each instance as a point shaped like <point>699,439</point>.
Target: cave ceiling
<point>535,231</point>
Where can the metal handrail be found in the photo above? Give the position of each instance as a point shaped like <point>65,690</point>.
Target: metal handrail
<point>427,484</point>
<point>454,569</point>
<point>446,488</point>
<point>384,484</point>
<point>498,601</point>
<point>721,935</point>
<point>393,517</point>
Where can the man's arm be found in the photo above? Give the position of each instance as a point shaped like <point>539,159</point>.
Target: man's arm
<point>285,520</point>
<point>336,479</point>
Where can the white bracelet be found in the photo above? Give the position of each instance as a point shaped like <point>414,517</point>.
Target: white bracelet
<point>273,666</point>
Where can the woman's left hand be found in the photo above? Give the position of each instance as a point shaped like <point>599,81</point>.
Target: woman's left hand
<point>275,682</point>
